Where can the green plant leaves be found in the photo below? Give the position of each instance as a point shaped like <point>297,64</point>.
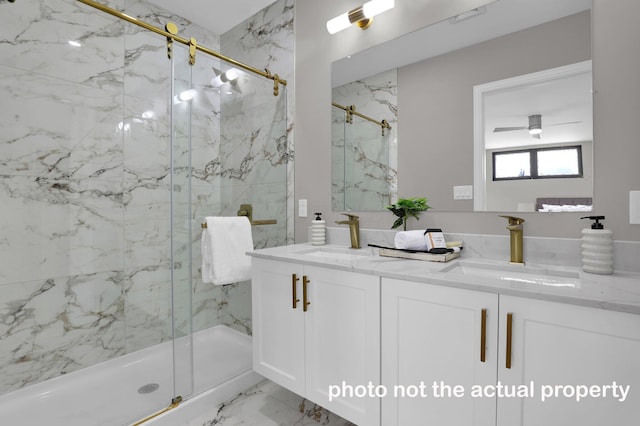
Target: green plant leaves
<point>407,207</point>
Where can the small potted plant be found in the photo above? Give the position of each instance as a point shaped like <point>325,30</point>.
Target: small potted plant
<point>407,207</point>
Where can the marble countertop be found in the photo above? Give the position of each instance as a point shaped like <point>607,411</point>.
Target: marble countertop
<point>617,292</point>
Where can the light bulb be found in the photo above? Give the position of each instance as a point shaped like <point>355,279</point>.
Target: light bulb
<point>376,7</point>
<point>338,23</point>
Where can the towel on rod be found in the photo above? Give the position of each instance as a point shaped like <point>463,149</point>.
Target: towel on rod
<point>224,243</point>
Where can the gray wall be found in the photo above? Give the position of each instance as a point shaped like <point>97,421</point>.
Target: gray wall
<point>616,108</point>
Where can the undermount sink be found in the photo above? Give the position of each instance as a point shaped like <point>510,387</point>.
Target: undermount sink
<point>517,274</point>
<point>336,253</point>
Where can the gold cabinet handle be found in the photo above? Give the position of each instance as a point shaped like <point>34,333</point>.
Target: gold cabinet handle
<point>509,335</point>
<point>305,299</point>
<point>294,290</point>
<point>483,336</point>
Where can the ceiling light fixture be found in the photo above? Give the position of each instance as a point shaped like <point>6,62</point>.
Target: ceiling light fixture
<point>361,16</point>
<point>535,124</point>
<point>74,43</point>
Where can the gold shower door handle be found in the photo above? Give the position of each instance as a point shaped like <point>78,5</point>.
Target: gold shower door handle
<point>305,298</point>
<point>509,336</point>
<point>483,336</point>
<point>294,290</point>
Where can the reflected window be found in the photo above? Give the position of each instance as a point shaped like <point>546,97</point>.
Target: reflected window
<point>538,163</point>
<point>511,165</point>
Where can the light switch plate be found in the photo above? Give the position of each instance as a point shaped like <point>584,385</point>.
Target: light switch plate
<point>463,192</point>
<point>302,208</point>
<point>634,207</point>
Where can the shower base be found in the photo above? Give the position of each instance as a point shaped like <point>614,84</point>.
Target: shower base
<point>131,387</point>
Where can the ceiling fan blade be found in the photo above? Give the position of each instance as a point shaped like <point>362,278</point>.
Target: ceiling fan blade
<point>508,129</point>
<point>562,124</point>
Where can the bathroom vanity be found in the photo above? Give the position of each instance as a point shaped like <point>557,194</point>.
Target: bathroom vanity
<point>468,342</point>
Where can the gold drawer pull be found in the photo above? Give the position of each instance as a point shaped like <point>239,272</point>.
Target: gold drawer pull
<point>305,299</point>
<point>509,334</point>
<point>294,290</point>
<point>483,336</point>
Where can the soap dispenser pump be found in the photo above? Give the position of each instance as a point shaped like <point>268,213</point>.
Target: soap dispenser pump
<point>597,248</point>
<point>318,231</point>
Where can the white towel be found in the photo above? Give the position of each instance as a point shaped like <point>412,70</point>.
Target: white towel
<point>410,240</point>
<point>224,244</point>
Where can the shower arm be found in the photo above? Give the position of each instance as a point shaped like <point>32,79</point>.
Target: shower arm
<point>191,42</point>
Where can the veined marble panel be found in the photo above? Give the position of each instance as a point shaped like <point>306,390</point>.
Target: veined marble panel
<point>264,41</point>
<point>147,307</point>
<point>147,142</point>
<point>96,238</point>
<point>57,129</point>
<point>55,326</point>
<point>254,141</point>
<point>36,38</point>
<point>147,225</point>
<point>55,228</point>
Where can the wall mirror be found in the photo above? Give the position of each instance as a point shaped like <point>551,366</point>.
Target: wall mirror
<point>438,68</point>
<point>364,143</point>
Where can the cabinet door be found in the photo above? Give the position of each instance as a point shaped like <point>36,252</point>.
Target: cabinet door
<point>434,334</point>
<point>278,327</point>
<point>343,341</point>
<point>565,345</point>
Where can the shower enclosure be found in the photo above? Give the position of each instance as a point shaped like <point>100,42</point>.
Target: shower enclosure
<point>111,155</point>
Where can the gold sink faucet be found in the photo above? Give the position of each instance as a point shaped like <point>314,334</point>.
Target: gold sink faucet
<point>515,234</point>
<point>354,229</point>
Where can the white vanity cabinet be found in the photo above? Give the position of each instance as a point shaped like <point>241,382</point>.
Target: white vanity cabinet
<point>434,333</point>
<point>556,344</point>
<point>335,340</point>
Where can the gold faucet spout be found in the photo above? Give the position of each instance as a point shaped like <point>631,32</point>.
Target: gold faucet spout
<point>515,238</point>
<point>354,229</point>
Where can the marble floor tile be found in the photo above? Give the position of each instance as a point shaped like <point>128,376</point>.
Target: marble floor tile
<point>268,404</point>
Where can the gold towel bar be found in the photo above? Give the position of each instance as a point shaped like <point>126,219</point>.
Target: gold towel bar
<point>247,210</point>
<point>253,223</point>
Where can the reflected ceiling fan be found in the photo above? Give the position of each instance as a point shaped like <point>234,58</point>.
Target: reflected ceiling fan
<point>534,127</point>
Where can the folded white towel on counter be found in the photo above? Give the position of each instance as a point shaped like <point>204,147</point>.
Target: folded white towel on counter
<point>224,243</point>
<point>410,240</point>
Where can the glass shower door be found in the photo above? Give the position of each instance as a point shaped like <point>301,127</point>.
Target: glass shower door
<point>182,96</point>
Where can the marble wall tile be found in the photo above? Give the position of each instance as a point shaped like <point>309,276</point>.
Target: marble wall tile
<point>36,38</point>
<point>147,307</point>
<point>55,326</point>
<point>266,41</point>
<point>57,129</point>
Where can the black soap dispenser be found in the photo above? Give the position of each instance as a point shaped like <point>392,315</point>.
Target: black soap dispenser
<point>318,236</point>
<point>597,248</point>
